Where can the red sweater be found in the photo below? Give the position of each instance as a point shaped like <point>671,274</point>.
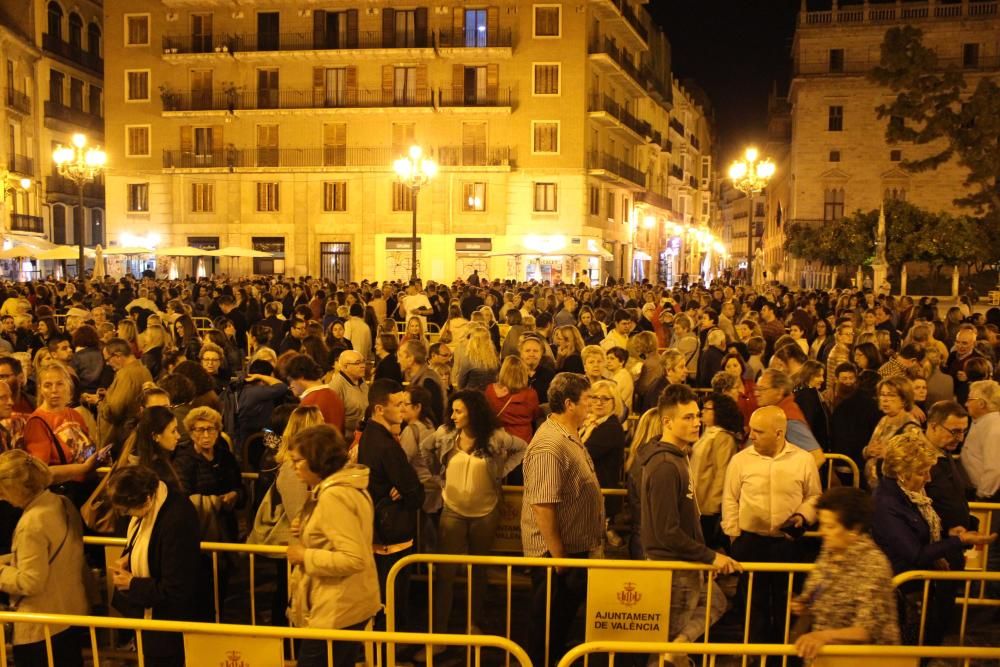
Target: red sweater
<point>329,404</point>
<point>518,417</point>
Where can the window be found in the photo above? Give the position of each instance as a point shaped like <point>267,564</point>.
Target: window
<point>203,140</point>
<point>335,80</point>
<point>275,245</point>
<point>75,32</point>
<point>268,31</point>
<point>835,120</point>
<point>137,85</point>
<point>335,261</point>
<point>833,204</point>
<point>137,30</point>
<point>406,28</point>
<point>75,94</point>
<point>834,156</point>
<point>895,156</point>
<point>546,79</point>
<point>758,211</point>
<point>137,140</point>
<point>403,136</point>
<point>138,197</point>
<point>595,200</point>
<point>95,94</point>
<point>59,224</point>
<point>335,196</point>
<point>334,144</point>
<point>610,206</point>
<point>970,55</point>
<point>545,136</point>
<point>548,20</point>
<point>475,28</point>
<point>94,41</point>
<point>267,146</point>
<point>896,123</point>
<point>474,143</point>
<point>474,197</point>
<point>267,88</point>
<point>201,33</point>
<point>404,82</point>
<point>402,197</point>
<point>895,194</point>
<point>56,82</point>
<point>546,198</point>
<point>55,14</point>
<point>202,197</point>
<point>836,60</point>
<point>267,197</point>
<point>474,85</point>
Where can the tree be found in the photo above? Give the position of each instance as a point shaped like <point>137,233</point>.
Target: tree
<point>845,242</point>
<point>935,110</point>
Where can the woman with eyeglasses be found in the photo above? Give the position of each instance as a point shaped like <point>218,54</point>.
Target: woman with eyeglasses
<point>604,437</point>
<point>895,401</point>
<point>158,575</point>
<point>45,570</point>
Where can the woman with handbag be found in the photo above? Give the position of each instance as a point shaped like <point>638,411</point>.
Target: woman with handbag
<point>45,571</point>
<point>470,455</point>
<point>848,597</point>
<point>334,582</point>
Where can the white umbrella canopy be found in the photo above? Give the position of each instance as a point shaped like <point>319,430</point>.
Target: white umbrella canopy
<point>63,252</point>
<point>127,250</point>
<point>235,251</point>
<point>19,252</point>
<point>180,251</point>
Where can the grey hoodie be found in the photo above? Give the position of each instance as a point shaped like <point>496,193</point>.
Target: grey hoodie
<point>669,521</point>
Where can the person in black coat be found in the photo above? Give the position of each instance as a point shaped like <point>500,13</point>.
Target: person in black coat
<point>710,359</point>
<point>853,419</point>
<point>387,365</point>
<point>159,568</point>
<point>604,438</point>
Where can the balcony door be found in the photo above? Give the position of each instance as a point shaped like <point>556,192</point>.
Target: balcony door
<point>267,88</point>
<point>201,89</point>
<point>475,28</point>
<point>201,33</point>
<point>474,86</point>
<point>268,31</point>
<point>267,145</point>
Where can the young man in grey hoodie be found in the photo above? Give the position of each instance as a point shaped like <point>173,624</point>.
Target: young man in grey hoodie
<point>670,529</point>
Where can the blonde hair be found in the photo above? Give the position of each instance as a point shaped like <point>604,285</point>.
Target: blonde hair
<point>574,335</point>
<point>611,386</point>
<point>23,473</point>
<point>155,336</point>
<point>130,331</point>
<point>513,374</point>
<point>907,454</point>
<point>479,349</point>
<point>302,417</point>
<point>649,426</point>
<point>591,351</point>
<point>202,414</point>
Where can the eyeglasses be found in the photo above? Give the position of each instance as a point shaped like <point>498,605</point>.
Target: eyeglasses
<point>204,430</point>
<point>211,360</point>
<point>954,432</point>
<point>602,399</point>
<point>354,363</point>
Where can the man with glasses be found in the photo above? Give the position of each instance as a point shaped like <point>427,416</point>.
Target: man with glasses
<point>950,486</point>
<point>963,351</point>
<point>981,453</point>
<point>293,340</point>
<point>212,357</point>
<point>122,402</point>
<point>349,383</point>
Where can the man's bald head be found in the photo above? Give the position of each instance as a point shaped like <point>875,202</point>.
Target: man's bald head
<point>767,430</point>
<point>352,364</point>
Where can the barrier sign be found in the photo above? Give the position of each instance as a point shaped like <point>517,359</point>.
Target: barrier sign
<point>508,537</point>
<point>628,605</point>
<point>232,651</point>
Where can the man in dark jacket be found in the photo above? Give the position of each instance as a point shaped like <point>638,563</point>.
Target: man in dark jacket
<point>670,529</point>
<point>394,488</point>
<point>949,488</point>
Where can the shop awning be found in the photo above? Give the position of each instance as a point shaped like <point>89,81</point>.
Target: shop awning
<point>27,240</point>
<point>552,246</point>
<point>641,255</point>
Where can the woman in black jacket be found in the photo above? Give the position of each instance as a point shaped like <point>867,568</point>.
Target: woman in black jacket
<point>603,436</point>
<point>157,575</point>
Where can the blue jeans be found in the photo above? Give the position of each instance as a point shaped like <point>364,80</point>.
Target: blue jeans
<point>459,534</point>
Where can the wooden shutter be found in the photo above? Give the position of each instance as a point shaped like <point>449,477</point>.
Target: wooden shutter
<point>319,86</point>
<point>492,26</point>
<point>388,28</point>
<point>457,84</point>
<point>351,85</point>
<point>420,27</point>
<point>352,28</point>
<point>187,139</point>
<point>421,84</point>
<point>387,84</point>
<point>458,27</point>
<point>319,28</point>
<point>492,80</point>
<point>217,145</point>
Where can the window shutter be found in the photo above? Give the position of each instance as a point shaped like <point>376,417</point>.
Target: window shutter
<point>352,28</point>
<point>217,142</point>
<point>319,29</point>
<point>420,27</point>
<point>458,27</point>
<point>351,85</point>
<point>387,81</point>
<point>492,26</point>
<point>319,83</point>
<point>457,83</point>
<point>492,80</point>
<point>388,28</point>
<point>421,84</point>
<point>187,141</point>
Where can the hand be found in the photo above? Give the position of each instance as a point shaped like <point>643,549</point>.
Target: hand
<point>796,520</point>
<point>809,644</point>
<point>961,376</point>
<point>296,554</point>
<point>394,494</point>
<point>90,399</point>
<point>229,499</point>
<point>726,565</point>
<point>295,528</point>
<point>91,463</point>
<point>799,607</point>
<point>956,531</point>
<point>974,537</point>
<point>121,577</point>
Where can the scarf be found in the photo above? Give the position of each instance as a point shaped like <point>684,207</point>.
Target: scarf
<point>923,504</point>
<point>140,532</point>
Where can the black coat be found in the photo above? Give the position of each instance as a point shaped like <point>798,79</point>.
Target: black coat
<point>812,407</point>
<point>389,368</point>
<point>901,532</point>
<point>709,363</point>
<point>606,445</point>
<point>389,469</point>
<point>172,588</point>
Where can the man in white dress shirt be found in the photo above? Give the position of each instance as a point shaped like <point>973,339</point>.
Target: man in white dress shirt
<point>768,500</point>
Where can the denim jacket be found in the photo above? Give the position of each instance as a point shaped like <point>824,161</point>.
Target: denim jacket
<point>506,452</point>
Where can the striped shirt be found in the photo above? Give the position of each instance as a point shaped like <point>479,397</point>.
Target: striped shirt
<point>558,470</point>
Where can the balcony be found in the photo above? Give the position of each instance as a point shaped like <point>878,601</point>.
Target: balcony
<point>307,41</point>
<point>606,165</point>
<point>603,103</point>
<point>619,9</point>
<point>18,101</point>
<point>676,171</point>
<point>677,126</point>
<point>21,164</point>
<point>474,38</point>
<point>861,66</point>
<point>449,97</point>
<point>654,199</point>
<point>617,61</point>
<point>292,99</point>
<point>81,119</point>
<point>695,144</point>
<point>907,12</point>
<point>73,53</point>
<point>655,137</point>
<point>22,222</point>
<point>60,185</point>
<point>693,182</point>
<point>335,156</point>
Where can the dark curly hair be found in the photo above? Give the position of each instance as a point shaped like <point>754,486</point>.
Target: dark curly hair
<point>727,413</point>
<point>482,420</point>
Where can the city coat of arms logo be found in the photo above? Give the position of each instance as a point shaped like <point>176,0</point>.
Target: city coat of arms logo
<point>234,659</point>
<point>629,595</point>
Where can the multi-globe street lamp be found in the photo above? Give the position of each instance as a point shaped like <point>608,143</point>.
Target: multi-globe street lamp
<point>750,176</point>
<point>414,171</point>
<point>79,164</point>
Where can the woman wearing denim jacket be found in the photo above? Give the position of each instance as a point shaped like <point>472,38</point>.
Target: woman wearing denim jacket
<point>469,456</point>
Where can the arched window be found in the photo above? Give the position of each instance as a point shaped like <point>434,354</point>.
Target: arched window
<point>55,20</point>
<point>58,224</point>
<point>94,39</point>
<point>75,31</point>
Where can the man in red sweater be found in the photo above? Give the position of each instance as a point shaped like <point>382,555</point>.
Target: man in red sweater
<point>305,379</point>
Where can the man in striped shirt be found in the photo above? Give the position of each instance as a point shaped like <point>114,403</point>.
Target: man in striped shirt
<point>562,515</point>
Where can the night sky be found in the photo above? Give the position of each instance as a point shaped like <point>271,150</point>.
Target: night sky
<point>735,50</point>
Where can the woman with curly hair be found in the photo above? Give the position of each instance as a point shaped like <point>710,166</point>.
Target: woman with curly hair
<point>186,337</point>
<point>710,455</point>
<point>569,344</point>
<point>476,361</point>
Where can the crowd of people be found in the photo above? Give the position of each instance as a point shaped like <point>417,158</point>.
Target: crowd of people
<point>374,412</point>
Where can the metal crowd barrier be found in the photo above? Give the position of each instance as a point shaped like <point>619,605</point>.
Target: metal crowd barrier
<point>842,655</point>
<point>927,576</point>
<point>227,644</point>
<point>834,460</point>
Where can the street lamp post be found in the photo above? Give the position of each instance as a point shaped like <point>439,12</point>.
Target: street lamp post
<point>750,176</point>
<point>79,164</point>
<point>414,172</point>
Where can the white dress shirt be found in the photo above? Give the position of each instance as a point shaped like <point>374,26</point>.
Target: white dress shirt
<point>761,492</point>
<point>981,454</point>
